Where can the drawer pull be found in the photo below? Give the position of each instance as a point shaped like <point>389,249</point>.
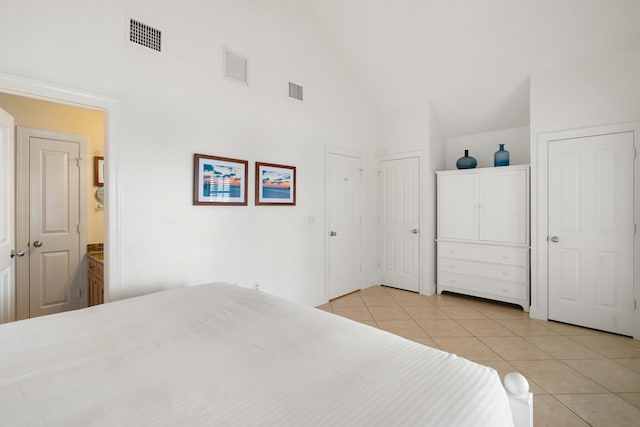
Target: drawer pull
<point>452,251</point>
<point>452,266</point>
<point>505,290</point>
<point>452,280</point>
<point>505,273</point>
<point>505,257</point>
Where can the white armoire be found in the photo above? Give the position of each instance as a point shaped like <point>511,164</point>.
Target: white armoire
<point>483,233</point>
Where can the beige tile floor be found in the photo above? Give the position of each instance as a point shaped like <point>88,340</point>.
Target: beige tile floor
<point>579,376</point>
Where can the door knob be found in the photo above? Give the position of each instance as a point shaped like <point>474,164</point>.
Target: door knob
<point>414,231</point>
<point>333,233</point>
<point>554,239</point>
<point>18,254</point>
<point>37,243</point>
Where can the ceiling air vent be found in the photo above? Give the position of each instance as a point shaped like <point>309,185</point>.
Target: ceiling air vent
<point>145,35</point>
<point>295,91</point>
<point>235,67</point>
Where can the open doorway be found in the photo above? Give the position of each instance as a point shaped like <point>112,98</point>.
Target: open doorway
<point>89,124</point>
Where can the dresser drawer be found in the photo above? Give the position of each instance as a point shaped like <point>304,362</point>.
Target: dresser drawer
<point>479,285</point>
<point>507,273</point>
<point>484,253</point>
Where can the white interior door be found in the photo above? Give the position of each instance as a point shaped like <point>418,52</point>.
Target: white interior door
<point>591,232</point>
<point>400,220</point>
<point>51,181</point>
<point>55,226</point>
<point>343,198</point>
<point>7,209</point>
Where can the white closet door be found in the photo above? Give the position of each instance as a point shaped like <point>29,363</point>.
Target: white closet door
<point>343,195</point>
<point>457,200</point>
<point>503,205</point>
<point>400,219</point>
<point>591,232</point>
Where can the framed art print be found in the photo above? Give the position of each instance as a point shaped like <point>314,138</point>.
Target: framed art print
<point>275,184</point>
<point>219,181</point>
<point>98,171</point>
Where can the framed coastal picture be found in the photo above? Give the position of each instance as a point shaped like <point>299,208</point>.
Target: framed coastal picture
<point>98,171</point>
<point>219,181</point>
<point>275,184</point>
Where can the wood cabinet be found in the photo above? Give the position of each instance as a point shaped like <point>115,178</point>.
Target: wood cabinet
<point>95,279</point>
<point>483,233</point>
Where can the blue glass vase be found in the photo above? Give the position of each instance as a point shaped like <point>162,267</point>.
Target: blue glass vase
<point>466,162</point>
<point>501,157</point>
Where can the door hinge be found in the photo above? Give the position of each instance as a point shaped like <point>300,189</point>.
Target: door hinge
<point>78,228</point>
<point>635,305</point>
<point>79,292</point>
<point>635,153</point>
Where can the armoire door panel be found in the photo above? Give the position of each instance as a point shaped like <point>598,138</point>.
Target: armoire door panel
<point>457,202</point>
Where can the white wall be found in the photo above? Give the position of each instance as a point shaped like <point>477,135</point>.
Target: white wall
<point>593,92</point>
<point>482,146</point>
<point>437,157</point>
<point>415,130</point>
<point>176,103</point>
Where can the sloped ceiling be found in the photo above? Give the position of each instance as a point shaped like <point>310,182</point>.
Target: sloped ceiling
<point>470,59</point>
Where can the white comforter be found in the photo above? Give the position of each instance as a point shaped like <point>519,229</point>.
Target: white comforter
<point>224,355</point>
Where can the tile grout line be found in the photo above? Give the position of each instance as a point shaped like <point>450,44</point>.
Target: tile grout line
<point>529,331</point>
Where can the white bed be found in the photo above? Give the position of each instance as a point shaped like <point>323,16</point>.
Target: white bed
<point>224,355</point>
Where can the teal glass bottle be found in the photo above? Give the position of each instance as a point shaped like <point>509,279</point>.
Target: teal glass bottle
<point>466,162</point>
<point>501,157</point>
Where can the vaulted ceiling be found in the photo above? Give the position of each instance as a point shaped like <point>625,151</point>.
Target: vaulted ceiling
<point>470,59</point>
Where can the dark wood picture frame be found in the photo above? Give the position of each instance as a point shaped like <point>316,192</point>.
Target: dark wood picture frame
<point>98,171</point>
<point>219,180</point>
<point>275,185</point>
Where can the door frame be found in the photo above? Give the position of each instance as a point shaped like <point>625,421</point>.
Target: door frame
<point>347,153</point>
<point>421,214</point>
<point>540,212</point>
<point>20,86</point>
<point>22,213</point>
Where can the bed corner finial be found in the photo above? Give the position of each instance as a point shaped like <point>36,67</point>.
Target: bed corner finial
<point>516,384</point>
<point>520,399</point>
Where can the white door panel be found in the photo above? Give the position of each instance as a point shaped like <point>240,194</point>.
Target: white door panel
<point>54,235</point>
<point>7,208</point>
<point>591,232</point>
<point>400,222</point>
<point>344,223</point>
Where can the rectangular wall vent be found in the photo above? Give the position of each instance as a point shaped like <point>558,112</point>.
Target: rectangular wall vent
<point>295,91</point>
<point>236,67</point>
<point>145,35</point>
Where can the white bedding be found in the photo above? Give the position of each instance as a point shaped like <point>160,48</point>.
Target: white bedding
<point>224,355</point>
